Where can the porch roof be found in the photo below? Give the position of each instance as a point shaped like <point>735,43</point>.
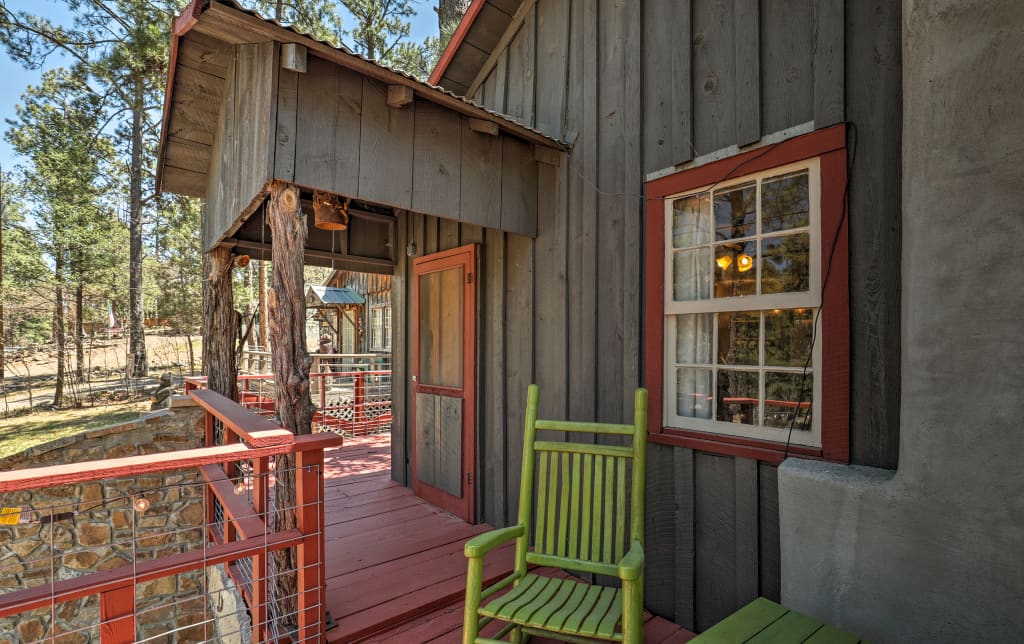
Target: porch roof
<point>202,43</point>
<point>332,296</point>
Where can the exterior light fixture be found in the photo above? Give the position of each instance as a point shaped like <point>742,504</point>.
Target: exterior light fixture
<point>330,212</point>
<point>141,504</point>
<point>744,263</point>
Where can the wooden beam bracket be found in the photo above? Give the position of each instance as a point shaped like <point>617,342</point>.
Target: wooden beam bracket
<point>483,127</point>
<point>399,96</point>
<point>293,57</point>
<point>547,155</point>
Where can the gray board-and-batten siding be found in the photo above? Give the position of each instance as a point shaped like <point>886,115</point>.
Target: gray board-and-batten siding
<point>330,129</point>
<point>638,87</point>
<point>565,309</point>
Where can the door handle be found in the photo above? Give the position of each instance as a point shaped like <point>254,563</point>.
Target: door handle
<point>414,378</point>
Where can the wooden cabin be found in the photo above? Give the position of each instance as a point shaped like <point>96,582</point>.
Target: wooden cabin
<point>699,197</point>
<point>371,331</point>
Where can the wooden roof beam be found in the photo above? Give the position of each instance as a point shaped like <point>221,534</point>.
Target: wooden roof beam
<point>399,96</point>
<point>483,127</point>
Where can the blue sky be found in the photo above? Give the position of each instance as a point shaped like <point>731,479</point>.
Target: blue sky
<point>14,79</point>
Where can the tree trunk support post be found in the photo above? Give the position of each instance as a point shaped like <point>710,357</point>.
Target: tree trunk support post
<point>221,326</point>
<point>290,361</point>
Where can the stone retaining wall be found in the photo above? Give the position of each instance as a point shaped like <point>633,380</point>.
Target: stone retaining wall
<point>96,527</point>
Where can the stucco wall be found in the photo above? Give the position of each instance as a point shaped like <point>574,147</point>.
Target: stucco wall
<point>935,551</point>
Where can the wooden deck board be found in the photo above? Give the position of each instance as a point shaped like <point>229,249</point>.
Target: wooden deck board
<point>395,567</point>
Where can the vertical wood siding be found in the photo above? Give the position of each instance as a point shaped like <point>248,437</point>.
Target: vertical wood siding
<point>242,155</point>
<point>638,87</point>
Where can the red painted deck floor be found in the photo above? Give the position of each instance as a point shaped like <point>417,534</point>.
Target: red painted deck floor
<point>395,568</point>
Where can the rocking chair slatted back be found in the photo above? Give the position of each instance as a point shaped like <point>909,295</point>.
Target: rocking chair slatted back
<point>581,492</point>
<point>573,507</point>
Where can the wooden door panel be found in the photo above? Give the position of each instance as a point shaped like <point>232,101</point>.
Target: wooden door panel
<point>444,378</point>
<point>439,442</point>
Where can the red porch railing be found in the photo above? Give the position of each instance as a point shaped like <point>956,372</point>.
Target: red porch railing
<point>353,400</point>
<point>238,476</point>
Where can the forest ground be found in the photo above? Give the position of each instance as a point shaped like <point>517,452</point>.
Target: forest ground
<point>107,396</point>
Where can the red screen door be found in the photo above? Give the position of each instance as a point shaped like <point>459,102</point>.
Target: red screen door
<point>444,379</point>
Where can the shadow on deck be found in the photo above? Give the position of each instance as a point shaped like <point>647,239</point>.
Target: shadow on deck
<point>395,568</point>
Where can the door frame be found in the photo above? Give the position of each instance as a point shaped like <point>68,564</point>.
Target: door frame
<point>465,256</point>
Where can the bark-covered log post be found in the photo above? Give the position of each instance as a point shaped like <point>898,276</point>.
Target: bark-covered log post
<point>286,305</point>
<point>219,324</point>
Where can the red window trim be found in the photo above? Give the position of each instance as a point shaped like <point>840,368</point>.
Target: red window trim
<point>829,145</point>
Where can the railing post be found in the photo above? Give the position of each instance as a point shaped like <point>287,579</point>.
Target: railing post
<point>309,467</point>
<point>359,391</point>
<point>117,615</point>
<point>260,473</point>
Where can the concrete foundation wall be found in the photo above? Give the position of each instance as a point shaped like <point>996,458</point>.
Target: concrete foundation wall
<point>935,551</point>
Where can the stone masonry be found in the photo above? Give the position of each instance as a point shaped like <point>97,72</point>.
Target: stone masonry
<point>74,530</point>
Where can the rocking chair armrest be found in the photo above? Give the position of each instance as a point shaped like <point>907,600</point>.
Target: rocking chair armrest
<point>481,544</point>
<point>632,565</point>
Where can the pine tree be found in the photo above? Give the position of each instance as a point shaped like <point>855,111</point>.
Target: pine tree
<point>123,46</point>
<point>58,130</point>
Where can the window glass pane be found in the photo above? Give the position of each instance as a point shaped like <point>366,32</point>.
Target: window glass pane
<point>736,212</point>
<point>784,264</point>
<point>691,221</point>
<point>737,338</point>
<point>736,269</point>
<point>787,337</point>
<point>737,397</point>
<point>788,398</point>
<point>691,275</point>
<point>784,202</point>
<point>693,338</point>
<point>693,392</point>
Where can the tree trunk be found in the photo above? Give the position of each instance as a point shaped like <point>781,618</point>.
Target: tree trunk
<point>262,289</point>
<point>79,336</point>
<point>219,324</point>
<point>290,361</point>
<point>138,365</point>
<point>59,334</point>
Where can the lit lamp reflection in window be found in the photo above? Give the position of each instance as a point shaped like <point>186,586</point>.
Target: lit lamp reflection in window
<point>744,262</point>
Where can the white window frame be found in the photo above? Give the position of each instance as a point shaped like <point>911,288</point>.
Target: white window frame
<point>811,299</point>
<point>383,331</point>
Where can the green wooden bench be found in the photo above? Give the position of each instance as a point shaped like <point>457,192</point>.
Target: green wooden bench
<point>580,525</point>
<point>765,622</point>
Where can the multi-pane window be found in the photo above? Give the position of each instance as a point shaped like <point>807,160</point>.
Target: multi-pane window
<point>380,328</point>
<point>742,287</point>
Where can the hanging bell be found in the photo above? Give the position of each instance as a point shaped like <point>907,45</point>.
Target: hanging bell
<point>330,212</point>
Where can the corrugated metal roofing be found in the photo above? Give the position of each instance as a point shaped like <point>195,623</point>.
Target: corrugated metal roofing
<point>334,295</point>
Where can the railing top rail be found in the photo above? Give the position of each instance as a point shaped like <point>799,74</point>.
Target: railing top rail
<point>251,428</point>
<point>84,472</point>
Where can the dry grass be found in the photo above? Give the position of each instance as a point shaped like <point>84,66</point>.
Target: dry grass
<point>21,432</point>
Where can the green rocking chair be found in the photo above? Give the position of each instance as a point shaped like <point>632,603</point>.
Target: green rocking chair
<point>579,525</point>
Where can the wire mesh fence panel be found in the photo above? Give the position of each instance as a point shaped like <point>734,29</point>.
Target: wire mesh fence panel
<point>169,555</point>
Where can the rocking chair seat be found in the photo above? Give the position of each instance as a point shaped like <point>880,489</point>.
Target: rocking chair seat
<point>561,606</point>
<point>579,525</point>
